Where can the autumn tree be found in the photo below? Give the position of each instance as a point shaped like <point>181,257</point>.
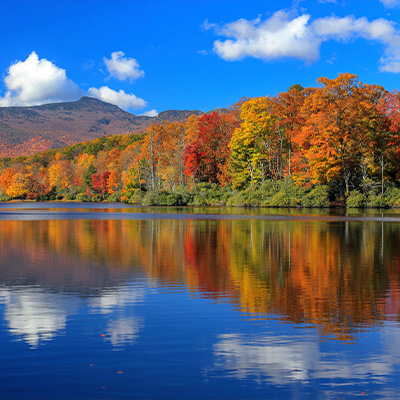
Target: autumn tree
<point>253,144</point>
<point>61,175</point>
<point>206,158</point>
<point>151,151</point>
<point>335,130</point>
<point>289,118</point>
<point>384,143</point>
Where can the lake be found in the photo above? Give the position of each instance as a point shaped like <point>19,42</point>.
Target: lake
<point>109,301</point>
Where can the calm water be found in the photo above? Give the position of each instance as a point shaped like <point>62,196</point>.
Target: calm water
<point>117,302</point>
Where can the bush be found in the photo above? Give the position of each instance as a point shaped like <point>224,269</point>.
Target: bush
<point>259,195</point>
<point>208,194</point>
<point>82,197</point>
<point>317,197</point>
<point>170,199</point>
<point>133,196</point>
<point>392,197</point>
<point>149,199</point>
<point>70,196</point>
<point>4,197</point>
<point>96,198</point>
<point>114,197</point>
<point>355,199</point>
<point>289,195</point>
<point>376,201</point>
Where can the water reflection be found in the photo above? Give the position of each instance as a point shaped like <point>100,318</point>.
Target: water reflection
<point>279,360</point>
<point>35,316</point>
<point>306,309</point>
<point>340,276</point>
<point>276,359</point>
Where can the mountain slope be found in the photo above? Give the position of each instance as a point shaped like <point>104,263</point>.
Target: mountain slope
<point>27,130</point>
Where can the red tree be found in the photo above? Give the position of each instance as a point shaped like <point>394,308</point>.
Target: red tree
<point>206,158</point>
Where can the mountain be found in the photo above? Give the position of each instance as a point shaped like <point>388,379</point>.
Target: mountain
<point>28,130</point>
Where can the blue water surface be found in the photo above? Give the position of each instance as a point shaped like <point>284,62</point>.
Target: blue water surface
<point>151,309</point>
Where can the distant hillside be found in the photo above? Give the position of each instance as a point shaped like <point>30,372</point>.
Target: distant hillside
<point>28,130</point>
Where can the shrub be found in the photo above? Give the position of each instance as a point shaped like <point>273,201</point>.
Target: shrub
<point>4,197</point>
<point>392,197</point>
<point>355,199</point>
<point>82,197</point>
<point>133,196</point>
<point>289,195</point>
<point>170,199</point>
<point>114,197</point>
<point>376,201</point>
<point>149,199</point>
<point>70,196</point>
<point>317,197</point>
<point>208,194</point>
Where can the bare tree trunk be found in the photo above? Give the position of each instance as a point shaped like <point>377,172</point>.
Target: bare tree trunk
<point>251,170</point>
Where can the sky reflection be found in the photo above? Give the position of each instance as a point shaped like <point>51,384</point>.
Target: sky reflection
<point>282,359</point>
<point>35,316</point>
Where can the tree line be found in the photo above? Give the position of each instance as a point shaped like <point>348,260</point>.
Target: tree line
<point>334,144</point>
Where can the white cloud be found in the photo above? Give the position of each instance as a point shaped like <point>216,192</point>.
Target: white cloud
<point>123,68</point>
<point>207,25</point>
<point>284,36</point>
<point>277,37</point>
<point>37,81</point>
<point>150,113</point>
<point>390,3</point>
<point>120,98</point>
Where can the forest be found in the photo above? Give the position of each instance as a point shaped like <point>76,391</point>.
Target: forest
<point>337,144</point>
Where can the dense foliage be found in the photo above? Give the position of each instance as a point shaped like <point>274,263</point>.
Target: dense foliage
<point>336,144</point>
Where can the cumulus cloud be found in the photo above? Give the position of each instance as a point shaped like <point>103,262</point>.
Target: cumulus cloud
<point>123,68</point>
<point>285,36</point>
<point>37,81</point>
<point>278,37</point>
<point>390,3</point>
<point>120,98</point>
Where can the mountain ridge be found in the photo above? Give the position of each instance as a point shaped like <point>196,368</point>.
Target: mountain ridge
<point>31,129</point>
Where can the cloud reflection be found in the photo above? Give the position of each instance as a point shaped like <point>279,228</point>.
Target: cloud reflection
<point>107,302</point>
<point>36,316</point>
<point>276,359</point>
<point>124,331</point>
<point>280,359</point>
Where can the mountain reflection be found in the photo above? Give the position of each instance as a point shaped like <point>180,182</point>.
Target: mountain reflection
<point>340,276</point>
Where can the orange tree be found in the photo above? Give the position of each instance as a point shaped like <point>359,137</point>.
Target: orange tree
<point>336,129</point>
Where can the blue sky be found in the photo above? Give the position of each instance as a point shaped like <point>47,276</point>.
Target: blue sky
<point>148,56</point>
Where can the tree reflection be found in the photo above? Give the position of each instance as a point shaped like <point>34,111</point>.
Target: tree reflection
<point>340,276</point>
